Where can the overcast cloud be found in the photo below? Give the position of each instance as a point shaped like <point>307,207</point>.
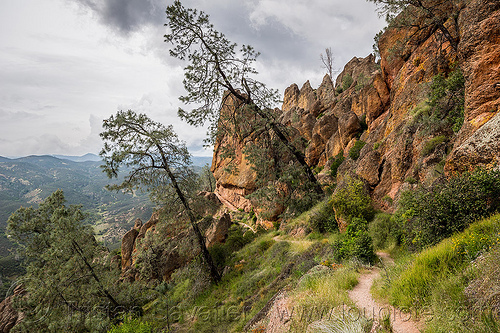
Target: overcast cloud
<point>65,65</point>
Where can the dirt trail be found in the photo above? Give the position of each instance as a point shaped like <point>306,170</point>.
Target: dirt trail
<point>401,321</point>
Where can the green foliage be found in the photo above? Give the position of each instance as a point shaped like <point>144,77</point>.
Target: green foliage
<point>377,145</point>
<point>430,214</point>
<point>355,242</point>
<point>361,82</point>
<point>447,260</point>
<point>432,144</point>
<point>151,151</point>
<point>411,180</point>
<point>447,98</point>
<point>215,67</point>
<point>336,164</point>
<point>376,39</point>
<point>322,218</point>
<point>356,149</point>
<point>420,15</point>
<point>318,169</point>
<point>443,112</point>
<point>347,81</point>
<point>132,325</point>
<point>69,281</point>
<point>384,231</point>
<point>362,123</point>
<point>351,199</point>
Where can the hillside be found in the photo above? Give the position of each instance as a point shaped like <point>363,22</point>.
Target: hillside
<point>405,221</point>
<point>28,180</point>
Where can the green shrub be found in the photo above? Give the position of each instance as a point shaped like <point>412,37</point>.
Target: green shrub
<point>318,169</point>
<point>444,109</point>
<point>355,243</point>
<point>384,231</point>
<point>362,123</point>
<point>347,81</point>
<point>352,200</point>
<point>432,144</point>
<point>361,82</point>
<point>356,149</point>
<point>430,214</point>
<point>322,218</point>
<point>377,145</point>
<point>336,164</point>
<point>447,97</point>
<point>131,325</point>
<point>410,180</point>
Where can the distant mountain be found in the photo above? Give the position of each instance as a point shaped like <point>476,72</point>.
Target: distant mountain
<point>85,158</point>
<point>201,161</point>
<point>28,180</point>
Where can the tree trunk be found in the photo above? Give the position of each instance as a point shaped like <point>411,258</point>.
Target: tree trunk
<point>199,237</point>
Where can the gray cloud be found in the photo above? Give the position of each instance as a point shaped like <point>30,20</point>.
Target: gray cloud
<point>126,16</point>
<point>96,56</point>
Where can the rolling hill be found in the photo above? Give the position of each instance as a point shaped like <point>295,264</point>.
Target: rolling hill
<point>28,180</point>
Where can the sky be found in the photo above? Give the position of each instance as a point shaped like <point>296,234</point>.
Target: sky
<point>66,65</point>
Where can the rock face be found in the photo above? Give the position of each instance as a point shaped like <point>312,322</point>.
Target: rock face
<point>482,148</point>
<point>177,249</point>
<point>128,244</point>
<point>381,105</point>
<point>9,317</point>
<point>231,187</point>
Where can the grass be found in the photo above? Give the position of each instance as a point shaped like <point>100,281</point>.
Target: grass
<point>431,145</point>
<point>415,285</point>
<point>439,281</point>
<point>320,294</point>
<point>444,283</point>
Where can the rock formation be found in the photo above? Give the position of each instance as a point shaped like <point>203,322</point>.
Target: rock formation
<point>379,109</point>
<point>9,316</point>
<point>178,247</point>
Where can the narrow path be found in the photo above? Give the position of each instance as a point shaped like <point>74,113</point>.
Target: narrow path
<point>401,321</point>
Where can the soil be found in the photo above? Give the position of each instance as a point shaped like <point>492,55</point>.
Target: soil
<point>401,321</point>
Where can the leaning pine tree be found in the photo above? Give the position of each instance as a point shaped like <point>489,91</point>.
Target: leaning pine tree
<point>158,161</point>
<point>218,73</point>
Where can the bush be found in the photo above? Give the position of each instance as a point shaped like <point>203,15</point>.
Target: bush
<point>447,98</point>
<point>322,218</point>
<point>430,214</point>
<point>432,144</point>
<point>384,231</point>
<point>356,149</point>
<point>347,81</point>
<point>444,109</point>
<point>355,243</point>
<point>132,326</point>
<point>336,164</point>
<point>352,200</point>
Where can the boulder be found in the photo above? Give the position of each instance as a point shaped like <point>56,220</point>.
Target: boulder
<point>128,247</point>
<point>9,316</point>
<point>217,233</point>
<point>482,148</point>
